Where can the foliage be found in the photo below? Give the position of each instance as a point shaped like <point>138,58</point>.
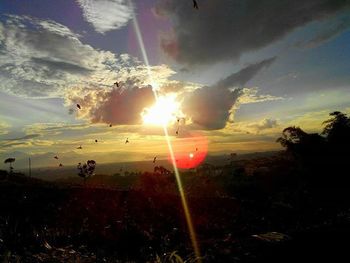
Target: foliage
<point>321,157</point>
<point>87,169</point>
<point>10,161</point>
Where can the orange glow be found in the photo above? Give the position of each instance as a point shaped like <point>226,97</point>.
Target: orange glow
<point>191,151</point>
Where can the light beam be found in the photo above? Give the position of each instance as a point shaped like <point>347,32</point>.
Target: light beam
<point>188,217</point>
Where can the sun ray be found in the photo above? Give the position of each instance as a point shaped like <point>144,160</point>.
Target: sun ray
<point>170,148</point>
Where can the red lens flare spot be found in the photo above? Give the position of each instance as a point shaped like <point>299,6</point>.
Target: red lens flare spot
<point>189,152</point>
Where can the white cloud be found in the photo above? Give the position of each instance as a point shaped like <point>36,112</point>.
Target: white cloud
<point>256,127</point>
<point>106,15</point>
<point>4,128</point>
<point>250,95</point>
<point>42,58</point>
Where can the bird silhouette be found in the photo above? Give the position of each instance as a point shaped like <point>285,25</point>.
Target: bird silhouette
<point>80,147</point>
<point>127,140</point>
<point>78,106</point>
<point>154,159</point>
<point>110,125</point>
<point>116,84</point>
<point>96,140</point>
<point>60,165</point>
<point>56,157</point>
<point>195,4</point>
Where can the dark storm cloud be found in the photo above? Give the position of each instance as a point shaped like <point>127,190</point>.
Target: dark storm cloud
<point>223,30</point>
<point>209,107</point>
<point>326,34</point>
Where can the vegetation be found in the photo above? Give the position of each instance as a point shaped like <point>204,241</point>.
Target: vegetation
<point>293,205</point>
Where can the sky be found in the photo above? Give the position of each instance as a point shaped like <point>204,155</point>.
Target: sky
<point>228,77</point>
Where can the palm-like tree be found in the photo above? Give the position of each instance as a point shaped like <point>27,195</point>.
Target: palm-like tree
<point>10,161</point>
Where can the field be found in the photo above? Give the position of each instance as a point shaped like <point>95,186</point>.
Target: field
<point>242,212</point>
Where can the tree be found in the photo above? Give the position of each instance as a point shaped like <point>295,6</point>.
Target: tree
<point>337,131</point>
<point>87,169</point>
<point>322,157</point>
<point>301,143</point>
<point>10,161</point>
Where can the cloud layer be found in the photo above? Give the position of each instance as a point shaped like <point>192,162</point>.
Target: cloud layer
<point>41,58</point>
<point>210,107</point>
<point>118,106</point>
<point>224,30</point>
<point>106,15</point>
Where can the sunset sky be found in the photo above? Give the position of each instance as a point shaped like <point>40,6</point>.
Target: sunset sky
<point>229,76</point>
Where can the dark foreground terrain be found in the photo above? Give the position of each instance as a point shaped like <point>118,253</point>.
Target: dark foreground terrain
<point>56,222</point>
<point>290,207</point>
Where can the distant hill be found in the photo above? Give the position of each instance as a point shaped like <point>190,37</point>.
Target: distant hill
<point>55,172</point>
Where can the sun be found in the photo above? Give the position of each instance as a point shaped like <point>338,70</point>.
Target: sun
<point>163,112</point>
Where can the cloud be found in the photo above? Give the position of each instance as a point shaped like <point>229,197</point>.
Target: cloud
<point>250,95</point>
<point>210,107</point>
<point>266,124</point>
<point>4,128</point>
<point>42,58</point>
<point>106,15</point>
<point>117,106</point>
<point>255,127</point>
<point>225,30</point>
<point>20,141</point>
<point>26,137</point>
<point>327,33</point>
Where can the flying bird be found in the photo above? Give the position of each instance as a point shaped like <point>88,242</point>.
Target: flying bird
<point>78,106</point>
<point>80,147</point>
<point>116,84</point>
<point>195,4</point>
<point>96,140</point>
<point>127,140</point>
<point>60,165</point>
<point>56,157</point>
<point>154,159</point>
<point>110,125</point>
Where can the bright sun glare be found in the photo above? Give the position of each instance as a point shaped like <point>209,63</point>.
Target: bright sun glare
<point>163,112</point>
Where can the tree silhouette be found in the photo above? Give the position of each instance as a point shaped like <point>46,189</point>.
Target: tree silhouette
<point>337,131</point>
<point>321,158</point>
<point>10,161</point>
<point>301,143</point>
<point>87,169</point>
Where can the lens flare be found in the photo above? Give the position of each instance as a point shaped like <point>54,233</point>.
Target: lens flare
<point>190,151</point>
